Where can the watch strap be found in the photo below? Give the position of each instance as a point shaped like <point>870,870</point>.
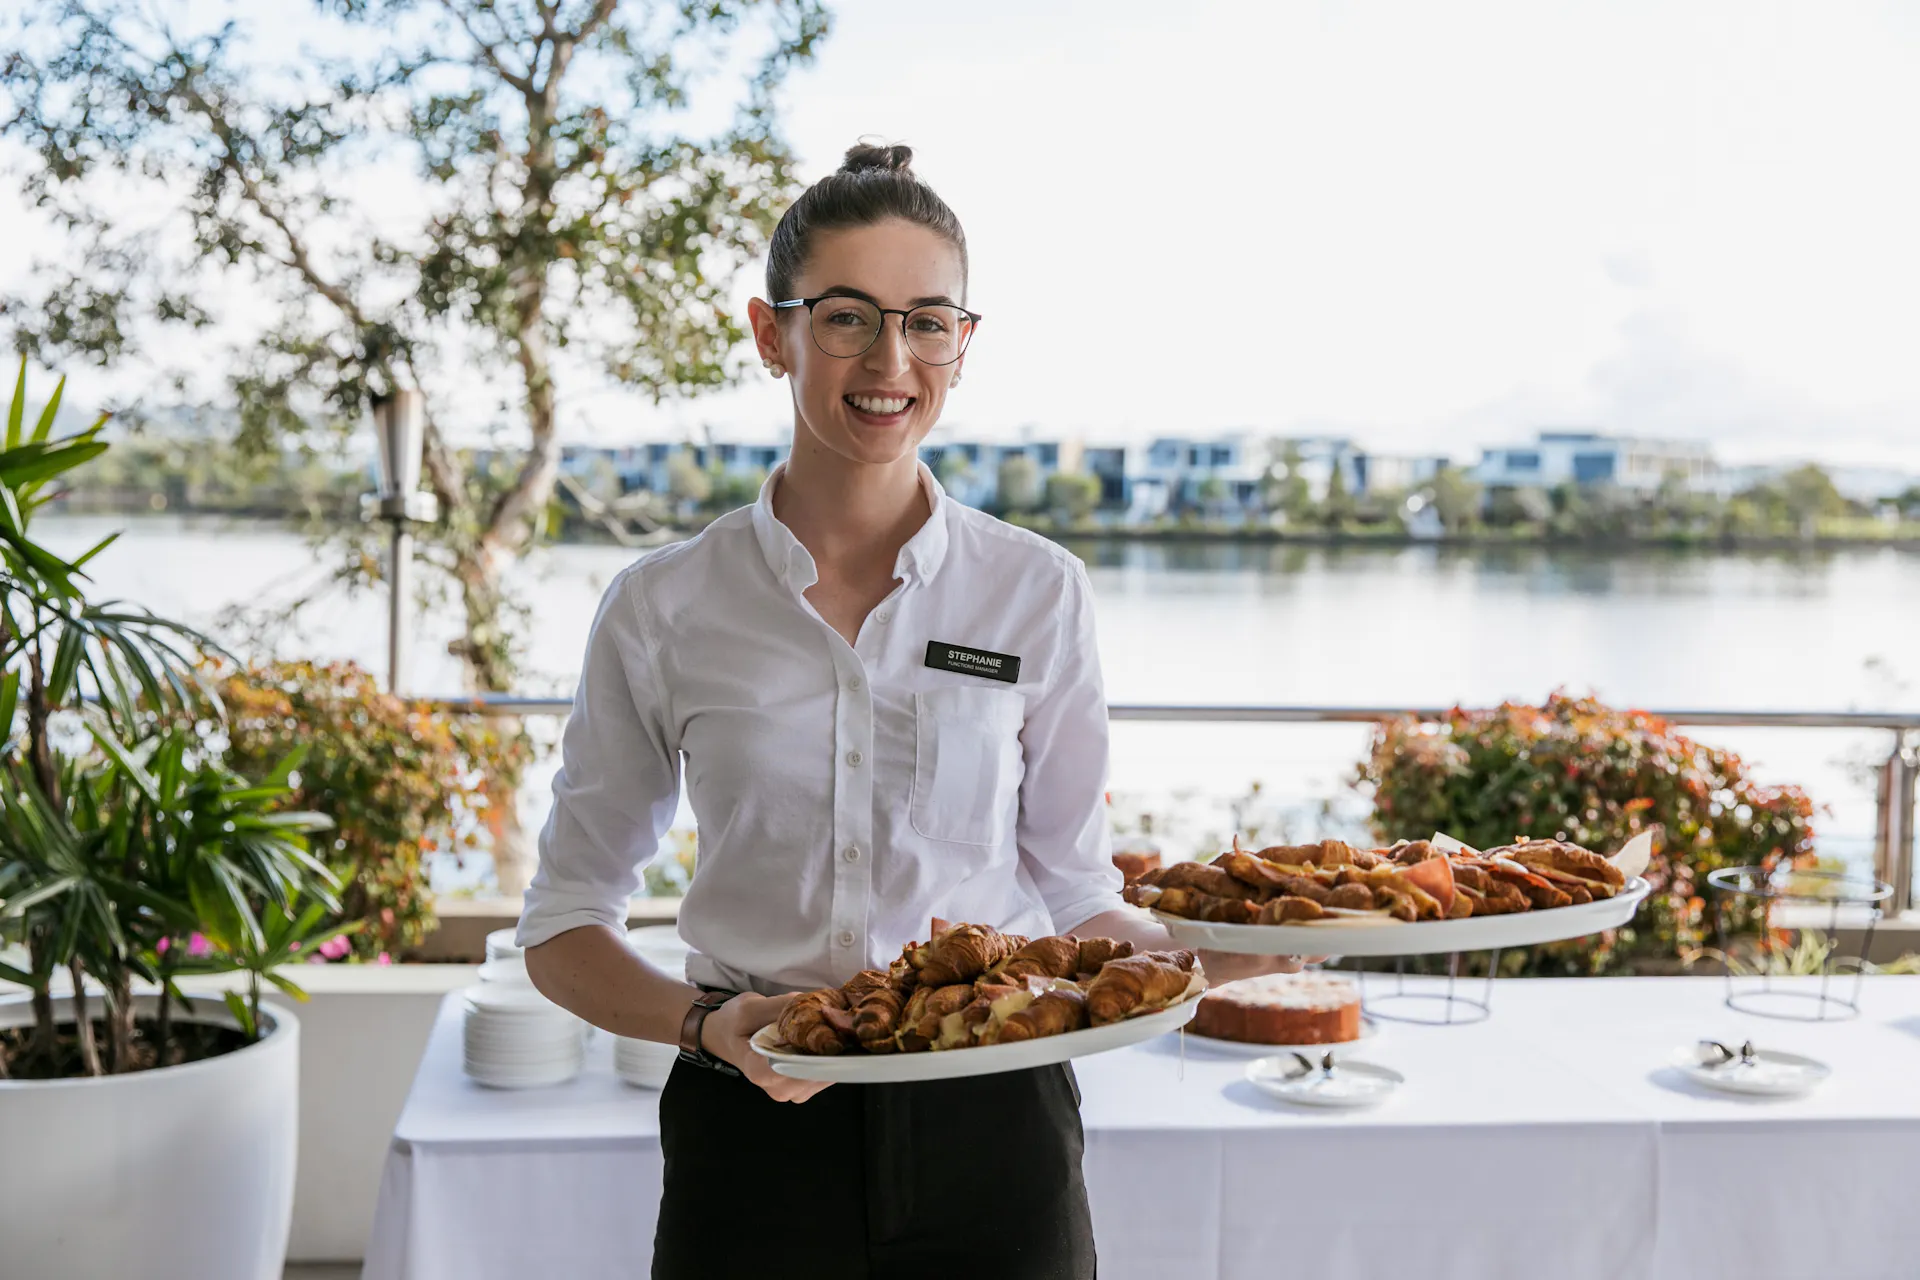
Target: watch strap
<point>691,1050</point>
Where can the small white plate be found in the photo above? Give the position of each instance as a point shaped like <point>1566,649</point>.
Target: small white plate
<point>1771,1073</point>
<point>1369,1033</point>
<point>978,1060</point>
<point>1352,1084</point>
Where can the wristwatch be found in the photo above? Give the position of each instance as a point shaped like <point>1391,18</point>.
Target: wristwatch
<point>690,1049</point>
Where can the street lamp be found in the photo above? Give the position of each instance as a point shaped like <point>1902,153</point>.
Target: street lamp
<point>399,425</point>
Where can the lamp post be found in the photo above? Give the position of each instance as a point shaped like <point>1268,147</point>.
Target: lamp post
<point>399,426</point>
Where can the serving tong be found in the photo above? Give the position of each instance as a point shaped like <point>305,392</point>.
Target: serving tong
<point>1748,1057</point>
<point>1304,1066</point>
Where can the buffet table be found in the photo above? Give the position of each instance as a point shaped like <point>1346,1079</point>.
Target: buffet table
<point>1550,1140</point>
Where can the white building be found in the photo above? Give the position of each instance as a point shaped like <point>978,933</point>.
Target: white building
<point>1592,458</point>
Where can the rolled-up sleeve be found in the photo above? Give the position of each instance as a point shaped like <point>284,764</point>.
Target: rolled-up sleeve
<point>1065,844</point>
<point>619,781</point>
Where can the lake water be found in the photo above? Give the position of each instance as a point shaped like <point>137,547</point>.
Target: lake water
<point>1228,623</point>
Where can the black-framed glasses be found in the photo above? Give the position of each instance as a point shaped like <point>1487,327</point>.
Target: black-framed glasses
<point>846,326</point>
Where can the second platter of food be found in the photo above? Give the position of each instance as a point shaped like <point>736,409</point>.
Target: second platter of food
<point>1411,899</point>
<point>974,1001</point>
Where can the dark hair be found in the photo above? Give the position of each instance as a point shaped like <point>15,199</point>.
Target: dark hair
<point>872,184</point>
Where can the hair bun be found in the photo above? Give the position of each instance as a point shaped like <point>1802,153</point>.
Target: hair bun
<point>865,156</point>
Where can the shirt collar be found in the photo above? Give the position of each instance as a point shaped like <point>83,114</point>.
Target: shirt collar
<point>919,560</point>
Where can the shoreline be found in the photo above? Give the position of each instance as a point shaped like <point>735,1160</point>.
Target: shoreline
<point>1484,540</point>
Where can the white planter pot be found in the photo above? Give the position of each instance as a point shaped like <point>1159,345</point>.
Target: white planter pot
<point>185,1171</point>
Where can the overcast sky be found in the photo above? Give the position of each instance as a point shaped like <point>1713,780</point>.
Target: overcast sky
<point>1431,226</point>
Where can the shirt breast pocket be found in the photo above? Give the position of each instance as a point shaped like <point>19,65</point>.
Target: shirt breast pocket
<point>966,764</point>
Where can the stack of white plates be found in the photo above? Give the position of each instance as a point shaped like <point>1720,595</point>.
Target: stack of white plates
<point>660,946</point>
<point>516,1038</point>
<point>646,1063</point>
<point>511,970</point>
<point>500,946</point>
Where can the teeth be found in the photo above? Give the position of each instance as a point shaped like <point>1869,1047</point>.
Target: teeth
<point>877,406</point>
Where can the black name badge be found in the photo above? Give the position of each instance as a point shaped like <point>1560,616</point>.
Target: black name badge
<point>973,662</point>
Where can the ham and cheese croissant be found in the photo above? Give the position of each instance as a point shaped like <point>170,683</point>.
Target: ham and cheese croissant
<point>1062,1009</point>
<point>1041,958</point>
<point>961,954</point>
<point>805,1023</point>
<point>1095,952</point>
<point>1138,984</point>
<point>875,1006</point>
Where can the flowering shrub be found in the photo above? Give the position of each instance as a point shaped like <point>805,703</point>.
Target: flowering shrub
<point>398,778</point>
<point>1581,771</point>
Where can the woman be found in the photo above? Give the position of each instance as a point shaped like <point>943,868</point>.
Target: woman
<point>890,709</point>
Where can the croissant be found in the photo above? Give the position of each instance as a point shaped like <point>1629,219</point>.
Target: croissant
<point>875,1009</point>
<point>1257,873</point>
<point>1138,984</point>
<point>1195,904</point>
<point>1095,952</point>
<point>1041,958</point>
<point>1350,897</point>
<point>805,1024</point>
<point>961,954</point>
<point>1051,1013</point>
<point>1287,910</point>
<point>1202,876</point>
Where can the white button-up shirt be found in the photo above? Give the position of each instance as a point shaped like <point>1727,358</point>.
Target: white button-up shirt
<point>844,794</point>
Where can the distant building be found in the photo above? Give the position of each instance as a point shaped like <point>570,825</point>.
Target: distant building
<point>1592,458</point>
<point>1396,473</point>
<point>969,470</point>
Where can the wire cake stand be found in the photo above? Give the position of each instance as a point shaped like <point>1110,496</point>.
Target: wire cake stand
<point>1755,890</point>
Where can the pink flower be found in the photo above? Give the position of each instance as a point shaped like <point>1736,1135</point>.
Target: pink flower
<point>384,958</point>
<point>161,946</point>
<point>335,947</point>
<point>197,945</point>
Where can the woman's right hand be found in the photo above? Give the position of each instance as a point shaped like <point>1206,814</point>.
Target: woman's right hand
<point>726,1031</point>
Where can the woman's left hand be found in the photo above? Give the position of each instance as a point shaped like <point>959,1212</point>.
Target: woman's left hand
<point>1230,966</point>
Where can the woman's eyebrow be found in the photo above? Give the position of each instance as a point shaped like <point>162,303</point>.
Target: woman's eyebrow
<point>847,290</point>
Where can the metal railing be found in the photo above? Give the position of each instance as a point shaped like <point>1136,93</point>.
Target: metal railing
<point>1894,825</point>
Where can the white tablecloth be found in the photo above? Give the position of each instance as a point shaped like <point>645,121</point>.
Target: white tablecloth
<point>1547,1143</point>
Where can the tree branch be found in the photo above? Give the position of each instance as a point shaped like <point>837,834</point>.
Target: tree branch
<point>521,80</point>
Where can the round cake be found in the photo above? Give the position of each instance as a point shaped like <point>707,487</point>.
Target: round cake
<point>1281,1008</point>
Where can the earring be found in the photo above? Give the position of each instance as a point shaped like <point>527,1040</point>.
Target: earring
<point>955,382</point>
<point>774,367</point>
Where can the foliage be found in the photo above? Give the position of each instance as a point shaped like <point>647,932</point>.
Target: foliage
<point>1284,488</point>
<point>571,221</point>
<point>396,778</point>
<point>1019,484</point>
<point>1073,494</point>
<point>118,837</point>
<point>1576,769</point>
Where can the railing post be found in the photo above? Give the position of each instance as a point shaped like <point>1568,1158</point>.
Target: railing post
<point>1893,843</point>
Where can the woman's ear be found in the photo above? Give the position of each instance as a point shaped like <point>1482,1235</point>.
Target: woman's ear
<point>766,331</point>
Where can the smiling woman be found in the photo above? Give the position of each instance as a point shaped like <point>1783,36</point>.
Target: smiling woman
<point>890,710</point>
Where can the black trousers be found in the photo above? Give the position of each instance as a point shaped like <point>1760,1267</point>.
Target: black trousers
<point>972,1177</point>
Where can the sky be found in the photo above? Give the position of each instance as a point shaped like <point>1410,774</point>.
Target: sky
<point>1431,227</point>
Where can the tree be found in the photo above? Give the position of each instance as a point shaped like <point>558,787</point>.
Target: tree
<point>1809,495</point>
<point>1339,506</point>
<point>1019,483</point>
<point>1283,488</point>
<point>1073,494</point>
<point>1456,499</point>
<point>566,225</point>
<point>689,485</point>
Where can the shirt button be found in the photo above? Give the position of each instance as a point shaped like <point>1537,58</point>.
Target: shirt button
<point>846,937</point>
<point>854,758</point>
<point>851,853</point>
<point>885,615</point>
<point>854,684</point>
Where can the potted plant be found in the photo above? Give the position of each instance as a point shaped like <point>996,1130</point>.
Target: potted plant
<point>131,857</point>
